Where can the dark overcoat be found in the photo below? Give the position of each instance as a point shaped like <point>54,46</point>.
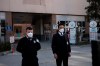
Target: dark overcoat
<point>28,48</point>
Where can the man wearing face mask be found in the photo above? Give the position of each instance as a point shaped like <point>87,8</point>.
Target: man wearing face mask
<point>28,47</point>
<point>61,47</point>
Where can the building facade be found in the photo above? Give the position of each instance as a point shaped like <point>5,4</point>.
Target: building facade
<point>42,15</point>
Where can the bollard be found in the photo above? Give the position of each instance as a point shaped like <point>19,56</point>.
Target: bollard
<point>99,53</point>
<point>95,53</point>
<point>12,48</point>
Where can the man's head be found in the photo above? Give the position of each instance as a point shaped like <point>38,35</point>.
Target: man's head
<point>61,28</point>
<point>29,32</point>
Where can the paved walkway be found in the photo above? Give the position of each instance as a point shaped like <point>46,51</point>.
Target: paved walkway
<point>80,56</point>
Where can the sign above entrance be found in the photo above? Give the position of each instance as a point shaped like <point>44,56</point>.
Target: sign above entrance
<point>72,24</point>
<point>93,24</point>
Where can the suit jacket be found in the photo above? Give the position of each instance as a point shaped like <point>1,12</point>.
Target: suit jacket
<point>59,44</point>
<point>28,47</point>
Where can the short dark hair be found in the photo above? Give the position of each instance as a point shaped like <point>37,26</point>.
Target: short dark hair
<point>29,28</point>
<point>60,25</point>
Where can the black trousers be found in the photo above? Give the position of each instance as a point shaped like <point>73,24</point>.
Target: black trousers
<point>30,62</point>
<point>62,59</point>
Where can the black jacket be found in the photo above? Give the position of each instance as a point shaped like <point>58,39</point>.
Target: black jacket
<point>59,44</point>
<point>27,47</point>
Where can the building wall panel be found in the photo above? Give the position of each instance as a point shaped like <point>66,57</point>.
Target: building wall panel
<point>76,7</point>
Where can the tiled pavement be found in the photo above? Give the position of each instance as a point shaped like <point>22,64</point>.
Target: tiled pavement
<point>80,56</point>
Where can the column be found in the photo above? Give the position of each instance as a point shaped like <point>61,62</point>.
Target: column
<point>9,26</point>
<point>53,21</point>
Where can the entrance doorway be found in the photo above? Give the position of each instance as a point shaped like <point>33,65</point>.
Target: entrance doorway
<point>41,24</point>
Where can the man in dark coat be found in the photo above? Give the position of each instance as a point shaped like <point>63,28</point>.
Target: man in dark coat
<point>61,47</point>
<point>29,46</point>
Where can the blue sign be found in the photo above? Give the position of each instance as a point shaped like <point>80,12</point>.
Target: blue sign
<point>8,28</point>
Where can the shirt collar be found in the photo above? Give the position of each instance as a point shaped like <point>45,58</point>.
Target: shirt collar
<point>60,33</point>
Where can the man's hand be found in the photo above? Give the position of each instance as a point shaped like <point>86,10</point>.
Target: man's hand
<point>55,56</point>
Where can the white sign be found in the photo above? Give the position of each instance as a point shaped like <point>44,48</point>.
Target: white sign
<point>93,24</point>
<point>12,39</point>
<point>55,26</point>
<point>93,29</point>
<point>73,35</point>
<point>93,36</point>
<point>72,24</point>
<point>2,15</point>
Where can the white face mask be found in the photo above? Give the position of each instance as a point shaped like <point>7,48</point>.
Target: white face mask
<point>61,30</point>
<point>30,35</point>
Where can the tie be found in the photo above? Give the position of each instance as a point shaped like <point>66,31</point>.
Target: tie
<point>61,34</point>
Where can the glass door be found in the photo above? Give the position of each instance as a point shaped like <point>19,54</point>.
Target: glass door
<point>17,31</point>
